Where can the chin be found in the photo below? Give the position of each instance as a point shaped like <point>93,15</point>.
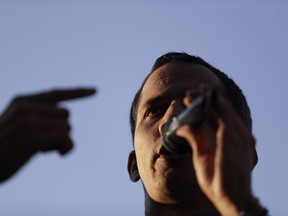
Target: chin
<point>176,190</point>
<point>183,188</point>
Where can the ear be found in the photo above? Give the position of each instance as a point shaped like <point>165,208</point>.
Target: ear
<point>132,167</point>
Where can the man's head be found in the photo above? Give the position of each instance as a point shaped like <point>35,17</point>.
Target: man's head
<point>169,178</point>
<point>233,91</point>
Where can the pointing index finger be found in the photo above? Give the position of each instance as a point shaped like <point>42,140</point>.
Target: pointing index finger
<point>59,95</point>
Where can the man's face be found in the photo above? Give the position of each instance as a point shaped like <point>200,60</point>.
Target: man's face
<point>167,178</point>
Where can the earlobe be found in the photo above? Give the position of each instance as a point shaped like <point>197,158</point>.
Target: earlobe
<point>132,167</point>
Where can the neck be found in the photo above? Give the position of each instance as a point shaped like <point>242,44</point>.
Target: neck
<point>201,207</point>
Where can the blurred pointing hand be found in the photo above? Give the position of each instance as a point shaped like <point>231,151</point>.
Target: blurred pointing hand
<point>34,123</point>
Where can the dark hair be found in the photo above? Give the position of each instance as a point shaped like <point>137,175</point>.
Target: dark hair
<point>234,93</point>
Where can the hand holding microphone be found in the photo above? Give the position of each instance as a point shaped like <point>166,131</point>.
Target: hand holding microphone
<point>195,115</point>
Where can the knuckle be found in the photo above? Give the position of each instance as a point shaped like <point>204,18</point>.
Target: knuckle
<point>55,93</point>
<point>252,140</point>
<point>18,103</point>
<point>18,99</point>
<point>64,113</point>
<point>21,105</point>
<point>68,127</point>
<point>26,123</point>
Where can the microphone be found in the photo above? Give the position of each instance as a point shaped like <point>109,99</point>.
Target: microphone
<point>194,115</point>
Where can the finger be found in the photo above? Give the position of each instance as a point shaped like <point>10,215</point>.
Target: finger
<point>190,95</point>
<point>62,144</point>
<point>54,139</point>
<point>52,113</point>
<point>42,113</point>
<point>234,139</point>
<point>56,96</point>
<point>227,112</point>
<point>31,132</point>
<point>31,115</point>
<point>47,127</point>
<point>203,156</point>
<point>200,139</point>
<point>64,148</point>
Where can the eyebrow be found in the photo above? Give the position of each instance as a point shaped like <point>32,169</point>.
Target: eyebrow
<point>152,101</point>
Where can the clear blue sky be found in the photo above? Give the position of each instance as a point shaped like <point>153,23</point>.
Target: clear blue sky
<point>112,45</point>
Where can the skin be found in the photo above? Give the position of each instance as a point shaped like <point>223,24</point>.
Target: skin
<point>35,123</point>
<point>206,181</point>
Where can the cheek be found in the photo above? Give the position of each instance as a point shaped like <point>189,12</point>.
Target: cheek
<point>148,130</point>
<point>143,161</point>
<point>142,149</point>
<point>146,140</point>
<point>145,144</point>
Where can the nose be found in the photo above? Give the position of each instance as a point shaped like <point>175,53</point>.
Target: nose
<point>174,109</point>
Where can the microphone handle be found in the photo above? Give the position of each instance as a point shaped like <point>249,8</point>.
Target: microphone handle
<point>195,115</point>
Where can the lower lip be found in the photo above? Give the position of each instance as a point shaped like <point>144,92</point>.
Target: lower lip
<point>174,157</point>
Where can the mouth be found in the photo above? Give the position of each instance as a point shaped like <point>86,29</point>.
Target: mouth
<point>163,155</point>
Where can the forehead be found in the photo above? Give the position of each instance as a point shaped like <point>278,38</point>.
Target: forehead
<point>177,77</point>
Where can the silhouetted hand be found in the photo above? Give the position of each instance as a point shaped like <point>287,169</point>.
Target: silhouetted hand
<point>35,123</point>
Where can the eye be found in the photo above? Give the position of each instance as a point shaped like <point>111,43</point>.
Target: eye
<point>154,112</point>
